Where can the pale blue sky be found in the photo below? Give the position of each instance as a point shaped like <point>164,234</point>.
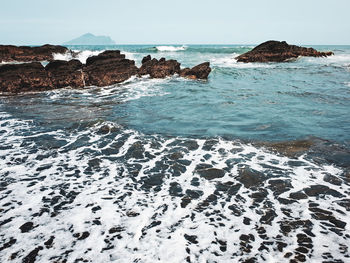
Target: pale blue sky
<point>176,21</point>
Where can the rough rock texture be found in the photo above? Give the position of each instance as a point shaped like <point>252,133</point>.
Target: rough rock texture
<point>24,53</point>
<point>200,71</point>
<point>276,51</point>
<point>66,73</point>
<point>159,68</point>
<point>108,68</point>
<point>16,78</point>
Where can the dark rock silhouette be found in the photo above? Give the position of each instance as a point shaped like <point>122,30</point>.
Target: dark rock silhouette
<point>200,71</point>
<point>276,51</point>
<point>108,68</point>
<point>159,68</point>
<point>24,77</point>
<point>10,53</point>
<point>66,73</point>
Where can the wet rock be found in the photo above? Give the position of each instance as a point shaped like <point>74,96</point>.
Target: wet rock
<point>175,189</point>
<point>298,195</point>
<point>332,179</point>
<point>290,148</point>
<point>30,258</point>
<point>279,186</point>
<point>49,242</point>
<point>159,68</point>
<point>108,68</point>
<point>10,53</point>
<point>318,190</point>
<point>15,78</point>
<point>82,236</point>
<point>276,51</point>
<point>8,244</point>
<point>191,238</point>
<point>26,227</point>
<point>200,71</point>
<point>211,173</point>
<point>268,217</point>
<point>66,73</point>
<point>194,194</point>
<point>146,59</point>
<point>250,177</point>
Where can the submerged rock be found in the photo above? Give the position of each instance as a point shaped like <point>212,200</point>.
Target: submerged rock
<point>24,53</point>
<point>276,51</point>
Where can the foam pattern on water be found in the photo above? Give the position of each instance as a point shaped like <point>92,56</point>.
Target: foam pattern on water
<point>100,193</point>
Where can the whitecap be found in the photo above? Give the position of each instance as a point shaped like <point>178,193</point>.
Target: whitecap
<point>171,48</point>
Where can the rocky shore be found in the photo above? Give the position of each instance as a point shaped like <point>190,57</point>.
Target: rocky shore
<point>108,68</point>
<point>278,51</point>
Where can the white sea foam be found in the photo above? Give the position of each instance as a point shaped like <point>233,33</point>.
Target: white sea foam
<point>98,187</point>
<point>231,62</point>
<point>170,48</point>
<point>80,55</point>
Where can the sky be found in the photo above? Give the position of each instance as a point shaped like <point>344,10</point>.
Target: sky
<point>36,22</point>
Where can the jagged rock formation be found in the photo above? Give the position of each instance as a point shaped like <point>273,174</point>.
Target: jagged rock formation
<point>10,53</point>
<point>276,51</point>
<point>108,68</point>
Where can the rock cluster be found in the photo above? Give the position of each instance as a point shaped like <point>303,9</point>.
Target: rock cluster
<point>108,68</point>
<point>276,51</point>
<point>10,53</point>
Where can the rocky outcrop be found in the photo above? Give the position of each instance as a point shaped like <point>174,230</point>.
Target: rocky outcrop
<point>10,53</point>
<point>24,77</point>
<point>200,71</point>
<point>66,73</point>
<point>276,51</point>
<point>108,68</point>
<point>159,68</point>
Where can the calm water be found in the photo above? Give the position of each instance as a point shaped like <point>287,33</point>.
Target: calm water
<point>164,170</point>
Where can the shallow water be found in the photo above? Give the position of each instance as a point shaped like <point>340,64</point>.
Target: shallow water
<point>177,170</point>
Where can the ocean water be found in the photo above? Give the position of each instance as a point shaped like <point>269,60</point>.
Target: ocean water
<point>176,170</point>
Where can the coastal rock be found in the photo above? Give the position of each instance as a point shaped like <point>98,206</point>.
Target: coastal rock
<point>200,71</point>
<point>66,73</point>
<point>276,51</point>
<point>159,68</point>
<point>16,78</point>
<point>10,53</point>
<point>108,68</point>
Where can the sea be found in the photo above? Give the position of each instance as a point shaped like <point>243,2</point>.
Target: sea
<point>251,165</point>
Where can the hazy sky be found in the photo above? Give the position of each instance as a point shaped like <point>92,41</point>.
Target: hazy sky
<point>176,21</point>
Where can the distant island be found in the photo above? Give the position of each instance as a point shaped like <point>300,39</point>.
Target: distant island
<point>90,39</point>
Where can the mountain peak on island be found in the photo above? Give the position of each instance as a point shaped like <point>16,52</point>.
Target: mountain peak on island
<point>90,39</point>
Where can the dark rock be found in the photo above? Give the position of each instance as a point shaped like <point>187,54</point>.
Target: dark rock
<point>194,194</point>
<point>30,258</point>
<point>290,148</point>
<point>200,71</point>
<point>298,195</point>
<point>49,242</point>
<point>211,173</point>
<point>332,179</point>
<point>276,51</point>
<point>108,68</point>
<point>159,68</point>
<point>24,53</point>
<point>317,190</point>
<point>145,59</point>
<point>175,189</point>
<point>17,78</point>
<point>26,227</point>
<point>249,177</point>
<point>192,239</point>
<point>66,73</point>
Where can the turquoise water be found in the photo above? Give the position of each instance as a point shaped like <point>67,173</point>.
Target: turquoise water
<point>168,170</point>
